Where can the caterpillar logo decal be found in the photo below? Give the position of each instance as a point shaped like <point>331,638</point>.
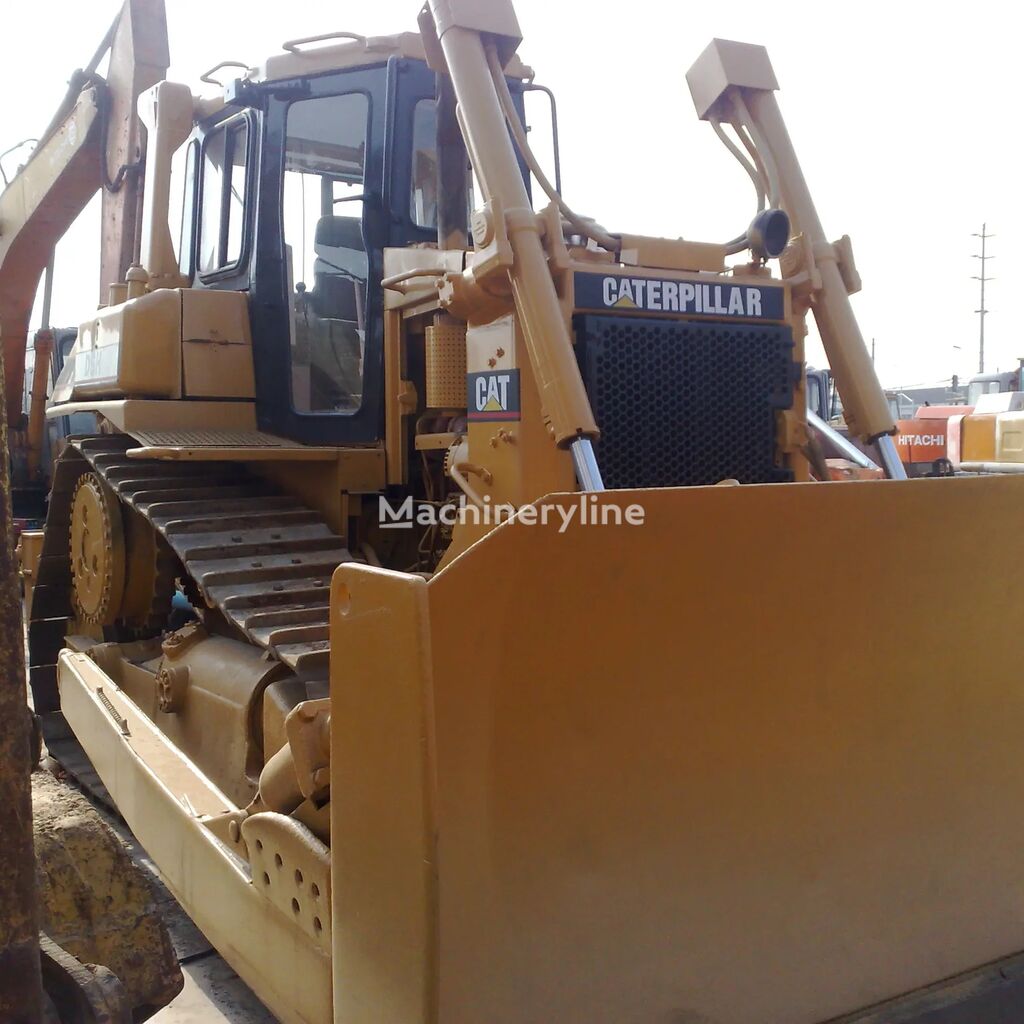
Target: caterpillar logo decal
<point>710,297</point>
<point>493,395</point>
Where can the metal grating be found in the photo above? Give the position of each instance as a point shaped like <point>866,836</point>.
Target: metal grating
<point>211,439</point>
<point>686,402</point>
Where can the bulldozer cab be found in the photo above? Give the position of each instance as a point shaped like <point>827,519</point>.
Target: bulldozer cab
<point>291,195</point>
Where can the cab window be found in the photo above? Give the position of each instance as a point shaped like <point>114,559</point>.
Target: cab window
<point>423,193</point>
<point>181,203</point>
<point>221,229</point>
<point>322,214</point>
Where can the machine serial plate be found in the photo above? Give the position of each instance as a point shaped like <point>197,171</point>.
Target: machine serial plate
<point>715,297</point>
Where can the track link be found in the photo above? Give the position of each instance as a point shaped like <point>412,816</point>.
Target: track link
<point>263,559</point>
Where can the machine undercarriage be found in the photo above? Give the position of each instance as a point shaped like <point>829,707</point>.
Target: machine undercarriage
<point>251,568</point>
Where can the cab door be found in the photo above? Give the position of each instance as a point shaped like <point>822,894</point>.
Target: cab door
<point>320,230</point>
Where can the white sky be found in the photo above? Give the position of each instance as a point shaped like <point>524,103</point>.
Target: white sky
<point>900,114</point>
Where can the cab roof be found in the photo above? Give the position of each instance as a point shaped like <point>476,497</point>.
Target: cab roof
<point>315,55</point>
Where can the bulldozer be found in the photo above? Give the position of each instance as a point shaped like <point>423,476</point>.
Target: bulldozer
<point>432,594</point>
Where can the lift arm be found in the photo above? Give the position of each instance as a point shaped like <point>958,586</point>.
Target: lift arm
<point>472,41</point>
<point>735,83</point>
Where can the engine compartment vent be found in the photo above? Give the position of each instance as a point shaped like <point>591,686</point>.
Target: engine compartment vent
<point>684,403</point>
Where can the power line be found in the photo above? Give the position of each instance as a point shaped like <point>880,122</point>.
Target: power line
<point>982,311</point>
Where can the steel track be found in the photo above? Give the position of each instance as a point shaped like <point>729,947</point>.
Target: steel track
<point>260,557</point>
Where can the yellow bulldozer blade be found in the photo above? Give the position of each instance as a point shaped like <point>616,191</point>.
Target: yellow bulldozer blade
<point>760,759</point>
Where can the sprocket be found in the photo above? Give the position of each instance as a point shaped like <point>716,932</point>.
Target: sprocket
<point>97,552</point>
<point>122,572</point>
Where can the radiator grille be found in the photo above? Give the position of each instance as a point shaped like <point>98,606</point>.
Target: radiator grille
<point>685,402</point>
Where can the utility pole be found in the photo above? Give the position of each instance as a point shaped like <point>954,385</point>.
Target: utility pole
<point>872,351</point>
<point>982,311</point>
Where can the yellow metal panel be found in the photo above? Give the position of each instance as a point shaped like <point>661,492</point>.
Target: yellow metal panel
<point>679,773</point>
<point>401,398</point>
<point>216,345</point>
<point>218,371</point>
<point>324,486</point>
<point>726,64</point>
<point>132,349</point>
<point>149,334</point>
<point>139,415</point>
<point>1009,445</point>
<point>215,316</point>
<point>672,254</point>
<point>517,456</point>
<point>382,817</point>
<point>311,60</point>
<point>978,438</point>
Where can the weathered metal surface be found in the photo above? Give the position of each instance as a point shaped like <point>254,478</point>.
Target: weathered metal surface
<point>20,986</point>
<point>81,993</point>
<point>139,58</point>
<point>94,902</point>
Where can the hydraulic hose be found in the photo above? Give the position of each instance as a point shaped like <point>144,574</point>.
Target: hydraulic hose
<point>583,225</point>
